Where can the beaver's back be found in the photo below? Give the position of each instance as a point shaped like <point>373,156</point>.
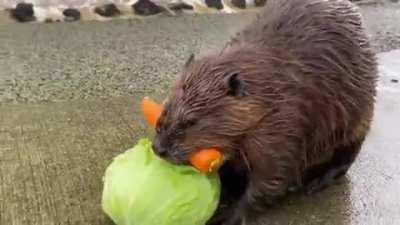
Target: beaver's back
<point>337,69</point>
<point>324,35</point>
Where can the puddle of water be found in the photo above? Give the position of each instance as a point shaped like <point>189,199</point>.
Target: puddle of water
<point>389,64</point>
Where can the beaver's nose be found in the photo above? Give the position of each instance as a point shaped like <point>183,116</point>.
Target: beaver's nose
<point>158,149</point>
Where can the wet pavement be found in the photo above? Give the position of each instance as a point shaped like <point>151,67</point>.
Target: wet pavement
<point>69,97</point>
<point>70,61</point>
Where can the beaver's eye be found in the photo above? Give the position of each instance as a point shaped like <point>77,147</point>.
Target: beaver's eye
<point>185,125</point>
<point>180,130</point>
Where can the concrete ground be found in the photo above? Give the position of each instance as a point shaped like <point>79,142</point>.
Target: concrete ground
<point>69,98</point>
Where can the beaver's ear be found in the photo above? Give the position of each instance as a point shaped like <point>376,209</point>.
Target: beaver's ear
<point>189,60</point>
<point>235,85</point>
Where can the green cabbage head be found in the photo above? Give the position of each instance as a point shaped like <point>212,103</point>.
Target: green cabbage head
<point>142,189</point>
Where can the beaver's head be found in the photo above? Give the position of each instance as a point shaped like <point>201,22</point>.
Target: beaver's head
<point>215,103</point>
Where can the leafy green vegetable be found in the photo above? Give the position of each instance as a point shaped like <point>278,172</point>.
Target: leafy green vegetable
<point>142,189</point>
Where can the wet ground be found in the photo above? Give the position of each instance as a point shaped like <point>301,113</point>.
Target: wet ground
<point>68,104</point>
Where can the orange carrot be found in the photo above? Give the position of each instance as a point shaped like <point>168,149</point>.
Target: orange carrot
<point>205,160</point>
<point>151,111</point>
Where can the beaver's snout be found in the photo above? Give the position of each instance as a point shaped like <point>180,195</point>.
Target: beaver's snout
<point>168,151</point>
<point>159,149</point>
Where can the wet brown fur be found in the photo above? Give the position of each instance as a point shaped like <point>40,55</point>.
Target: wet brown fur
<point>289,101</point>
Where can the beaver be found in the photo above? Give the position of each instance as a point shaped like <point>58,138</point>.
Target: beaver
<point>289,101</point>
